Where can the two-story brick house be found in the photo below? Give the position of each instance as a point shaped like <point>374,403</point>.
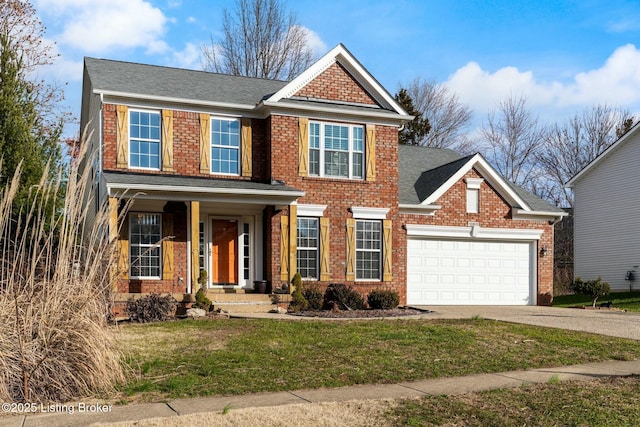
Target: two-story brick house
<point>253,179</point>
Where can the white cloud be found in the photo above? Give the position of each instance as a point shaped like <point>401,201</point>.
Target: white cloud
<point>98,27</point>
<point>617,83</point>
<point>318,47</point>
<point>189,57</point>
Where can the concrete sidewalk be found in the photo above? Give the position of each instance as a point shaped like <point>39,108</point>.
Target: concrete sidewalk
<point>458,385</point>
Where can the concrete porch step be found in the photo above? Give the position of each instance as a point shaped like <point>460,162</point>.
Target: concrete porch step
<point>238,298</point>
<point>244,307</point>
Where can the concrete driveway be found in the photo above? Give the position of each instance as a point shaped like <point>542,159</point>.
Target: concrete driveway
<point>603,322</point>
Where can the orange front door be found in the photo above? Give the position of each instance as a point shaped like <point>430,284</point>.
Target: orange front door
<point>224,252</point>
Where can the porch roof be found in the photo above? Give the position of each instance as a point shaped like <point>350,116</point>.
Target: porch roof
<point>153,186</point>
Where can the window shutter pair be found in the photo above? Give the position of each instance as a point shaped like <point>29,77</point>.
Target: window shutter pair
<point>303,149</point>
<point>122,138</point>
<point>387,250</point>
<point>246,144</point>
<point>288,246</point>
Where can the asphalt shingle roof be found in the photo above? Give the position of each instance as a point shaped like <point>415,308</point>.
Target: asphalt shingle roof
<point>153,80</point>
<point>423,170</point>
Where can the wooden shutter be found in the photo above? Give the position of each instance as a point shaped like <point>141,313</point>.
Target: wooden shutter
<point>247,162</point>
<point>370,153</point>
<point>205,143</point>
<point>284,248</point>
<point>122,136</point>
<point>123,249</point>
<point>303,146</point>
<point>167,140</point>
<point>324,250</point>
<point>387,250</point>
<point>351,249</point>
<point>167,247</point>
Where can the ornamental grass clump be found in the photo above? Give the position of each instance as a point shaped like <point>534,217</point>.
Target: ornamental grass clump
<point>55,284</point>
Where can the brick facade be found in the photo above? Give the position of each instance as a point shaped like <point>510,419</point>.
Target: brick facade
<point>275,155</point>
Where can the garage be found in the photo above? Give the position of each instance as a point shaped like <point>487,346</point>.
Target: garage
<point>470,271</point>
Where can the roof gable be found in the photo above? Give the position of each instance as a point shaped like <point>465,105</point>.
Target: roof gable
<point>426,174</point>
<point>606,153</point>
<point>340,55</point>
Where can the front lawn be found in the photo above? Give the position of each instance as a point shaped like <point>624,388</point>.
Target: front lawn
<point>235,356</point>
<point>629,301</point>
<point>605,402</point>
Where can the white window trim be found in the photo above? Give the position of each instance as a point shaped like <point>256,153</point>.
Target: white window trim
<point>380,251</point>
<point>141,110</point>
<point>369,213</point>
<point>472,194</point>
<point>159,245</point>
<point>311,210</point>
<point>350,151</point>
<point>211,146</point>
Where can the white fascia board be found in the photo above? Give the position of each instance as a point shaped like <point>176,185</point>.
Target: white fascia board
<point>172,100</point>
<point>540,215</point>
<point>489,173</point>
<point>311,210</point>
<point>342,55</point>
<point>202,190</point>
<point>471,232</point>
<point>572,182</point>
<point>369,213</point>
<point>418,209</point>
<point>286,108</point>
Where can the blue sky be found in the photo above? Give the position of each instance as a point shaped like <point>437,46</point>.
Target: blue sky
<point>562,56</point>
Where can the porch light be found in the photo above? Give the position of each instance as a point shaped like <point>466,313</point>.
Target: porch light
<point>543,252</point>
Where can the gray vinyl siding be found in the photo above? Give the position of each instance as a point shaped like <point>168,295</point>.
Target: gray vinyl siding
<point>607,223</point>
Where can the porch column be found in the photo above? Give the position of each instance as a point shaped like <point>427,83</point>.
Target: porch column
<point>195,243</point>
<point>113,236</point>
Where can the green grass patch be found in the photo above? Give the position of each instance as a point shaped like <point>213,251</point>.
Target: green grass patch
<point>607,402</point>
<point>237,356</point>
<point>629,301</point>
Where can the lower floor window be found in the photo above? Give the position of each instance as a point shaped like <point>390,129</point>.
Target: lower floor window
<point>368,249</point>
<point>145,235</point>
<point>307,256</point>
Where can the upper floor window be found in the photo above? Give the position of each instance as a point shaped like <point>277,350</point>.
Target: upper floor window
<point>144,139</point>
<point>336,150</point>
<point>225,146</point>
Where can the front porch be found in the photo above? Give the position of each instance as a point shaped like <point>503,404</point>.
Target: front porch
<point>175,239</point>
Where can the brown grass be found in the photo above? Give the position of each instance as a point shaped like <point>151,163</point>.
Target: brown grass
<point>55,344</point>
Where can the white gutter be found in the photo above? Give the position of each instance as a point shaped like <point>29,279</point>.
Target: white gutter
<point>283,105</point>
<point>555,217</point>
<point>173,100</point>
<point>206,190</point>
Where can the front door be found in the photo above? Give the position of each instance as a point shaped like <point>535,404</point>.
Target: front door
<point>224,252</point>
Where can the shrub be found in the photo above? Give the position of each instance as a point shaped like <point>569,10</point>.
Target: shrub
<point>201,299</point>
<point>298,301</point>
<point>345,298</point>
<point>592,288</point>
<point>314,296</point>
<point>383,299</point>
<point>150,308</point>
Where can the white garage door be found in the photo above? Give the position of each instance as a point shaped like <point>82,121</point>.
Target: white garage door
<point>468,272</point>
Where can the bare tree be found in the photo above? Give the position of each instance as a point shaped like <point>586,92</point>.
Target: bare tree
<point>445,114</point>
<point>572,145</point>
<point>514,136</point>
<point>260,39</point>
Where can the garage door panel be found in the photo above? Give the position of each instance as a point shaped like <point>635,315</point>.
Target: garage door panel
<point>459,272</point>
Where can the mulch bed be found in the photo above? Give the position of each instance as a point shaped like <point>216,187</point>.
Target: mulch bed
<point>360,314</point>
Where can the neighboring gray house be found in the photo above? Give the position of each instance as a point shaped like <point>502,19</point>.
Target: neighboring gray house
<point>606,228</point>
